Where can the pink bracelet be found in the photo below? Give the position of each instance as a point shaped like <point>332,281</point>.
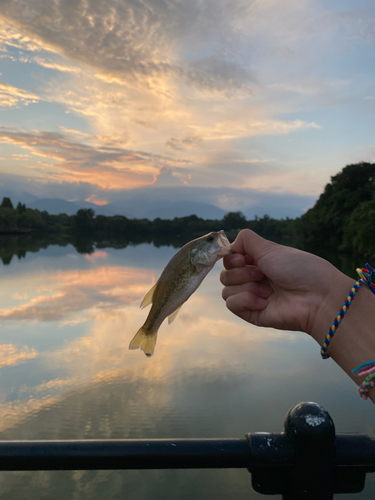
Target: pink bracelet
<point>369,370</point>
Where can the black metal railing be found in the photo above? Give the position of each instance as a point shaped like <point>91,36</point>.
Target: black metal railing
<point>307,461</point>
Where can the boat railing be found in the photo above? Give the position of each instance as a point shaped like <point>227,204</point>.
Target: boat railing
<point>309,460</point>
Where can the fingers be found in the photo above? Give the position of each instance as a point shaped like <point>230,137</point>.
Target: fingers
<point>240,275</point>
<point>237,260</point>
<point>234,260</point>
<point>245,305</point>
<point>262,290</point>
<point>245,288</point>
<point>251,244</point>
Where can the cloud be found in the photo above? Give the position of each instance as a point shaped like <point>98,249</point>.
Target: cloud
<point>249,200</point>
<point>12,38</point>
<point>167,85</point>
<point>56,66</point>
<point>11,355</point>
<point>359,23</point>
<point>215,74</point>
<point>250,177</point>
<point>55,384</point>
<point>106,165</point>
<point>101,356</point>
<point>12,96</point>
<point>162,84</point>
<point>83,160</point>
<point>167,178</point>
<point>131,42</point>
<point>50,64</point>
<point>186,143</point>
<point>98,254</point>
<point>66,296</point>
<point>103,165</point>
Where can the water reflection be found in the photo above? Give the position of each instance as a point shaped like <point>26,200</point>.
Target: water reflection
<point>66,372</point>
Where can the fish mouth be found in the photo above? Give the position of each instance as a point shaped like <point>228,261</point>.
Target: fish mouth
<point>225,246</point>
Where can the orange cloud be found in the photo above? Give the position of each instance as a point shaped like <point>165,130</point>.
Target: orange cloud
<point>12,96</point>
<point>100,203</point>
<point>98,254</point>
<point>57,383</point>
<point>55,65</point>
<point>11,355</point>
<point>204,336</point>
<point>103,166</point>
<point>64,296</point>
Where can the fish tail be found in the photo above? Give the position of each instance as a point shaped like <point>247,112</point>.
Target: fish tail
<point>145,341</point>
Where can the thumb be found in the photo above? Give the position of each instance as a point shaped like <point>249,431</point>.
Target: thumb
<point>251,244</point>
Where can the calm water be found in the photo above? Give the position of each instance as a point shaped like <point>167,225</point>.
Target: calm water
<point>66,373</point>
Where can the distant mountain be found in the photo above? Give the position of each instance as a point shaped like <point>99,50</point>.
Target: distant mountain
<point>100,209</point>
<point>169,202</point>
<point>183,209</point>
<point>166,203</point>
<point>144,209</point>
<point>17,196</point>
<point>55,206</point>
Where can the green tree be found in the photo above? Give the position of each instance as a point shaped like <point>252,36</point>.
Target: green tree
<point>21,208</point>
<point>84,220</point>
<point>234,220</point>
<point>6,203</point>
<point>359,233</point>
<point>32,219</point>
<point>8,218</point>
<point>323,225</point>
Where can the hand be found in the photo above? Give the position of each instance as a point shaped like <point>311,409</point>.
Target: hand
<point>272,285</point>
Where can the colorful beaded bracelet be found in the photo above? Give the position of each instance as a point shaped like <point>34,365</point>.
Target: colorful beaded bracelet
<point>369,370</point>
<point>366,276</point>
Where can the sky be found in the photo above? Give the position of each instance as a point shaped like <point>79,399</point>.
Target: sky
<point>270,97</point>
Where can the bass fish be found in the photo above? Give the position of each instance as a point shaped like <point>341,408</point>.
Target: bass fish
<point>181,277</point>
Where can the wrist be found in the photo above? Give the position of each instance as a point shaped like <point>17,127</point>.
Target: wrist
<point>328,304</point>
<point>354,343</point>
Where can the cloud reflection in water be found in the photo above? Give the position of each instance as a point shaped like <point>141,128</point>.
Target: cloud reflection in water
<point>211,375</point>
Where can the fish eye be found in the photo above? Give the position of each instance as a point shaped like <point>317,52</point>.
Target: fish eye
<point>210,238</point>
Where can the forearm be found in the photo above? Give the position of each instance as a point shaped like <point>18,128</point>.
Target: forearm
<point>354,341</point>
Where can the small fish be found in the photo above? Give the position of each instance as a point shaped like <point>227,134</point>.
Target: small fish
<point>181,277</point>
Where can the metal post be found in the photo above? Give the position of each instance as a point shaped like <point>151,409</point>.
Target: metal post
<point>308,461</point>
<point>311,433</point>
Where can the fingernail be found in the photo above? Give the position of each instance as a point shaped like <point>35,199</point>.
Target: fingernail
<point>237,261</point>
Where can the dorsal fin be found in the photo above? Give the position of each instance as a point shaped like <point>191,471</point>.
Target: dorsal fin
<point>148,297</point>
<point>172,317</point>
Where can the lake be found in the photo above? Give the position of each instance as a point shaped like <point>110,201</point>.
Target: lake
<point>66,321</point>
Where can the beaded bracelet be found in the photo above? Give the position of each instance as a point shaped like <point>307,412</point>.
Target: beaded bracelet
<point>366,276</point>
<point>369,370</point>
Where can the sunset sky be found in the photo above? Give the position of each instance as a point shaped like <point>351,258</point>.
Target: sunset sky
<point>264,96</point>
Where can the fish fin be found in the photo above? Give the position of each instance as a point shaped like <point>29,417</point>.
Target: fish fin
<point>172,317</point>
<point>144,341</point>
<point>147,299</point>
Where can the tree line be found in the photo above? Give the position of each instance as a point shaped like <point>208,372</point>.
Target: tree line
<point>344,215</point>
<point>86,223</point>
<point>342,219</point>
